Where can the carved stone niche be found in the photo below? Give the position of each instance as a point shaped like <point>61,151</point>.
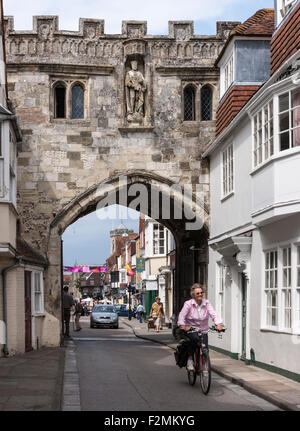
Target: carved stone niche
<point>134,29</point>
<point>134,48</point>
<point>181,30</point>
<point>91,28</point>
<point>135,91</point>
<point>45,26</point>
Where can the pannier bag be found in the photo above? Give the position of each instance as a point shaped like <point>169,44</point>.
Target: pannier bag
<point>181,354</point>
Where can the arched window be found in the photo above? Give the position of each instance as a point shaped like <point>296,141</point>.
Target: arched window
<point>60,101</point>
<point>206,103</point>
<point>77,101</point>
<point>189,104</point>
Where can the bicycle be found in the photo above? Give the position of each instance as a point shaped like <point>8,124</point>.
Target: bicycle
<point>202,361</point>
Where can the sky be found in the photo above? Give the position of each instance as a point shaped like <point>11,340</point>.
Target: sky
<point>87,241</point>
<point>157,13</point>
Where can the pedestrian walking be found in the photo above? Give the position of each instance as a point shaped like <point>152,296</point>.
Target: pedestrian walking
<point>77,314</point>
<point>68,303</point>
<point>140,310</point>
<point>157,313</point>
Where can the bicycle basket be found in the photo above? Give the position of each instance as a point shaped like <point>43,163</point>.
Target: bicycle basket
<point>181,354</point>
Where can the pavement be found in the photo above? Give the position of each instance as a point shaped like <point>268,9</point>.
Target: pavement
<point>47,379</point>
<point>272,387</point>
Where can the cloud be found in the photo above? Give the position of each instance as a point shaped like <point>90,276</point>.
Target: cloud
<point>157,12</point>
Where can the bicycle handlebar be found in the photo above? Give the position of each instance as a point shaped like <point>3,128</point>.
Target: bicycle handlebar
<point>211,328</point>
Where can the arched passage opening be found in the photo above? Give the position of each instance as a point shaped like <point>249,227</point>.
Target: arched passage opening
<point>180,209</point>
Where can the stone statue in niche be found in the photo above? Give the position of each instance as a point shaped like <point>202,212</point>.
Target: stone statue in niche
<point>135,87</point>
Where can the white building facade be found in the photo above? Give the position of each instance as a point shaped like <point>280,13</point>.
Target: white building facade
<point>254,258</point>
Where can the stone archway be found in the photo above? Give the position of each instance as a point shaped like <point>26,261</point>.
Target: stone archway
<point>112,188</point>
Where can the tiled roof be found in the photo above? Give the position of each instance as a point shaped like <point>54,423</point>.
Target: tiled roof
<point>286,40</point>
<point>259,24</point>
<point>232,103</point>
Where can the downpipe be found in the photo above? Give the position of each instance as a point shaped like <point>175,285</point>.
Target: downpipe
<point>4,273</point>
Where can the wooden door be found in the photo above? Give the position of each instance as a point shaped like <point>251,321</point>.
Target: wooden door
<point>28,336</point>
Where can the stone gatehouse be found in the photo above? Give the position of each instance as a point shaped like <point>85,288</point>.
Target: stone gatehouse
<point>94,106</point>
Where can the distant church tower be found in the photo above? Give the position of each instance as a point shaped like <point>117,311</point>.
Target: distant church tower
<point>120,231</point>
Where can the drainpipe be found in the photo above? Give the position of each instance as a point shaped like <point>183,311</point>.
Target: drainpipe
<point>4,272</point>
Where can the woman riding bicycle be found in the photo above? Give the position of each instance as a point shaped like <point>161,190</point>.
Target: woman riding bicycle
<point>195,313</point>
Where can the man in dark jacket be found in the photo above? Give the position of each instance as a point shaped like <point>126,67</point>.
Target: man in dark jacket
<point>68,302</point>
<point>77,313</point>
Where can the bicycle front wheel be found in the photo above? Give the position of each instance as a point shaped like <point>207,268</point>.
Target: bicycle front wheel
<point>205,372</point>
<point>191,377</point>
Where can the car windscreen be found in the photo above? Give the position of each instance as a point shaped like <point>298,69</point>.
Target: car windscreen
<point>104,309</point>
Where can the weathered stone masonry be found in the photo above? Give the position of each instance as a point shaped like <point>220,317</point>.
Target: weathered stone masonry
<point>62,160</point>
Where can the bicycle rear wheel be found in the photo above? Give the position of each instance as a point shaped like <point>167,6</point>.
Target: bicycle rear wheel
<point>205,372</point>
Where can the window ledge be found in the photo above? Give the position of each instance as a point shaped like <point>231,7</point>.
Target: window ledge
<point>224,198</point>
<point>277,156</point>
<point>39,315</point>
<point>279,331</point>
<point>70,121</point>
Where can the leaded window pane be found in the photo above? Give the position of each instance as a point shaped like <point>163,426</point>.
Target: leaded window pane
<point>189,104</point>
<point>206,104</point>
<point>60,102</point>
<point>77,102</point>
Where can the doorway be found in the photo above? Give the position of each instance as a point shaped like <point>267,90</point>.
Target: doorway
<point>244,315</point>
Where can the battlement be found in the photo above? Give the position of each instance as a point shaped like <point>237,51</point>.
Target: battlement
<point>47,26</point>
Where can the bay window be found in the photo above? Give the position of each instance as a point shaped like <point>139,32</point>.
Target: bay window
<point>289,120</point>
<point>282,289</point>
<point>263,144</point>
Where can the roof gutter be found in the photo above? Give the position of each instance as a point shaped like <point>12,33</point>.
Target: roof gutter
<point>4,273</point>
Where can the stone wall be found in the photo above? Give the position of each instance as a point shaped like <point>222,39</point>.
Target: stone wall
<point>62,158</point>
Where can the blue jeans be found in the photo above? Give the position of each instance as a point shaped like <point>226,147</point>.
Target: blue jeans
<point>140,316</point>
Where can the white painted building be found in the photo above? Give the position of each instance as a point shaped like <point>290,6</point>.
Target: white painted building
<point>254,258</point>
<point>158,277</point>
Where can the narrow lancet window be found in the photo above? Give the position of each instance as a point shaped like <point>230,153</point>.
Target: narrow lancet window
<point>77,101</point>
<point>60,101</point>
<point>206,104</point>
<point>189,104</point>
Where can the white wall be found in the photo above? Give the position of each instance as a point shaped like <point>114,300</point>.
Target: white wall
<point>277,183</point>
<point>275,348</point>
<point>234,211</point>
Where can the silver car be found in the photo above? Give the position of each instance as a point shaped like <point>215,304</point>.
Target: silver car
<point>104,315</point>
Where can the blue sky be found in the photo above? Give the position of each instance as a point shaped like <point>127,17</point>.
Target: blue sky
<point>87,241</point>
<point>157,13</point>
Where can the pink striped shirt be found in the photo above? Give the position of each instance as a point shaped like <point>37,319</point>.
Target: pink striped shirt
<point>189,315</point>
